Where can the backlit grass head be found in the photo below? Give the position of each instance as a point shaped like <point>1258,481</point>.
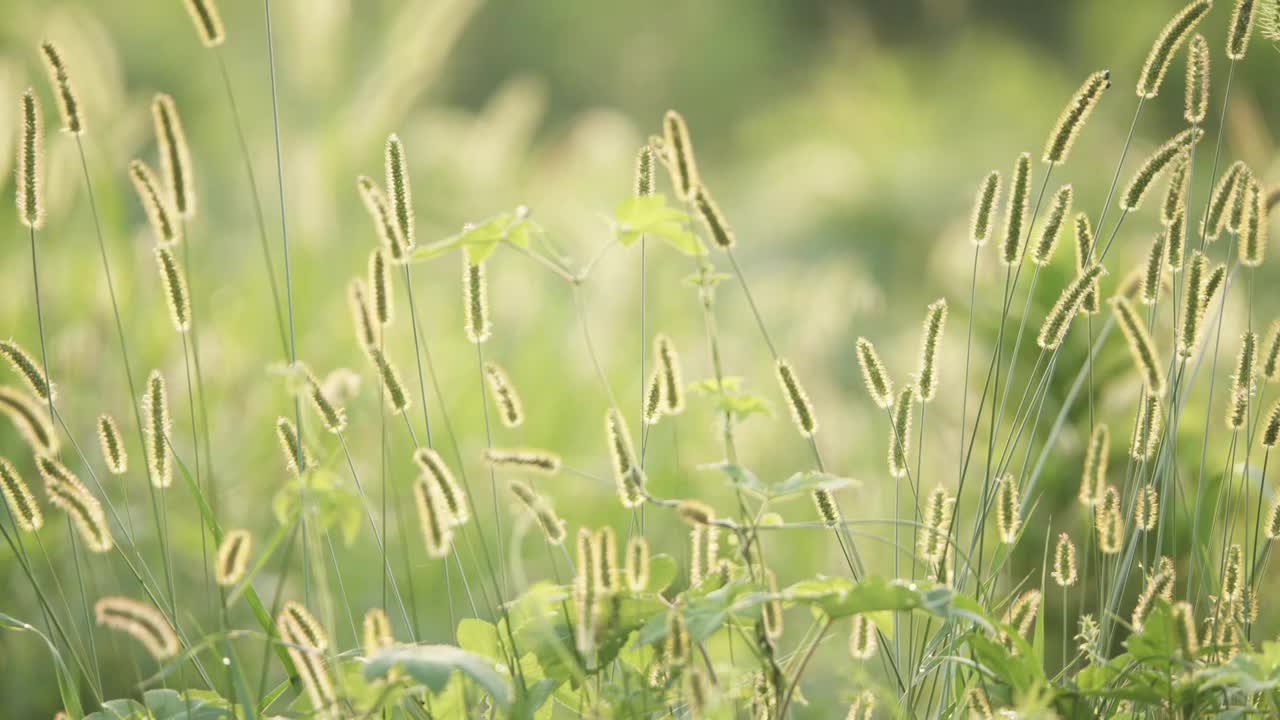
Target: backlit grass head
<point>397,171</point>
<point>433,516</point>
<point>114,453</point>
<point>18,498</point>
<point>31,418</point>
<point>67,493</point>
<point>1271,361</point>
<point>712,219</point>
<point>155,430</point>
<point>1145,356</point>
<point>1015,217</point>
<point>862,637</point>
<point>935,323</point>
<point>375,632</point>
<point>937,514</point>
<point>680,160</point>
<point>636,564</point>
<point>1197,93</point>
<point>653,397</point>
<point>1153,277</point>
<point>1146,509</point>
<point>828,509</point>
<point>175,156</point>
<point>984,209</point>
<point>797,399</point>
<point>1156,587</point>
<point>542,512</point>
<point>510,409</point>
<point>644,172</point>
<point>879,385</point>
<point>233,557</point>
<point>1176,240</point>
<point>1271,432</point>
<point>1241,28</point>
<point>1109,521</point>
<point>475,301</point>
<point>1090,305</point>
<point>455,500</point>
<point>30,191</point>
<point>1074,115</point>
<point>1058,321</point>
<point>379,208</point>
<point>142,622</point>
<point>667,360</point>
<point>25,365</point>
<point>1094,478</point>
<point>332,416</point>
<point>296,456</point>
<point>393,389</point>
<point>1008,518</point>
<point>159,215</point>
<point>368,331</point>
<point>175,289</point>
<point>1059,208</point>
<point>1253,227</point>
<point>204,13</point>
<point>63,91</point>
<point>1164,157</point>
<point>1193,302</point>
<point>380,285</point>
<point>1222,199</point>
<point>1166,45</point>
<point>1065,571</point>
<point>1242,381</point>
<point>540,462</point>
<point>1146,429</point>
<point>1021,614</point>
<point>627,475</point>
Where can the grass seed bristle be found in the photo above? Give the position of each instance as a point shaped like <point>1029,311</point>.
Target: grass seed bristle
<point>475,301</point>
<point>627,475</point>
<point>934,324</point>
<point>30,195</point>
<point>25,365</point>
<point>69,494</point>
<point>542,510</point>
<point>455,499</point>
<point>114,453</point>
<point>397,172</point>
<point>63,91</point>
<point>175,155</point>
<point>666,358</point>
<point>1253,230</point>
<point>233,557</point>
<point>1058,321</point>
<point>1008,520</point>
<point>437,531</point>
<point>159,215</point>
<point>31,418</point>
<point>1146,511</point>
<point>296,456</point>
<point>1146,429</point>
<point>368,331</point>
<point>1059,208</point>
<point>1222,199</point>
<point>879,386</point>
<point>1016,212</point>
<point>985,206</point>
<point>1096,457</point>
<point>204,13</point>
<point>18,498</point>
<point>1164,156</point>
<point>1241,28</point>
<point>510,409</point>
<point>375,632</point>
<point>684,169</point>
<point>1166,46</point>
<point>862,638</point>
<point>636,564</point>
<point>1074,116</point>
<point>797,399</point>
<point>714,221</point>
<point>142,622</point>
<point>1197,86</point>
<point>1091,304</point>
<point>1065,571</point>
<point>155,418</point>
<point>379,208</point>
<point>531,460</point>
<point>175,289</point>
<point>1154,275</point>
<point>1145,356</point>
<point>393,388</point>
<point>380,285</point>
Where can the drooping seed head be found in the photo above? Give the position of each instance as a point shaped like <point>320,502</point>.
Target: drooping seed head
<point>454,498</point>
<point>1272,527</point>
<point>934,324</point>
<point>30,191</point>
<point>510,410</point>
<point>155,431</point>
<point>636,565</point>
<point>1021,615</point>
<point>141,622</point>
<point>1176,240</point>
<point>433,516</point>
<point>862,638</point>
<point>627,474</point>
<point>68,494</point>
<point>1241,28</point>
<point>1109,522</point>
<point>676,650</point>
<point>1145,356</point>
<point>937,524</point>
<point>113,450</point>
<point>714,221</point>
<point>233,557</point>
<point>684,169</point>
<point>979,704</point>
<point>984,209</point>
<point>18,498</point>
<point>379,208</point>
<point>159,215</point>
<point>376,632</point>
<point>1146,511</point>
<point>797,399</point>
<point>1223,198</point>
<point>644,172</point>
<point>380,285</point>
<point>1058,321</point>
<point>695,513</point>
<point>1241,202</point>
<point>475,301</point>
<point>296,456</point>
<point>900,433</point>
<point>1212,284</point>
<point>1096,456</point>
<point>1271,434</point>
<point>1184,621</point>
<point>542,511</point>
<point>1193,300</point>
<point>1008,519</point>
<point>204,13</point>
<point>1154,275</point>
<point>31,419</point>
<point>1197,99</point>
<point>541,462</point>
<point>175,289</point>
<point>1084,252</point>
<point>1059,208</point>
<point>332,417</point>
<point>1155,588</point>
<point>1146,429</point>
<point>63,90</point>
<point>175,156</point>
<point>879,386</point>
<point>1175,195</point>
<point>1242,381</point>
<point>1253,230</point>
<point>1074,115</point>
<point>606,574</point>
<point>666,358</point>
<point>25,365</point>
<point>1164,157</point>
<point>828,509</point>
<point>393,389</point>
<point>397,171</point>
<point>1016,212</point>
<point>653,397</point>
<point>368,332</point>
<point>1065,572</point>
<point>1166,46</point>
<point>297,625</point>
<point>1271,362</point>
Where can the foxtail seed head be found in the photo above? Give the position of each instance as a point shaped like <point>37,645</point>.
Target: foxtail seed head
<point>1271,434</point>
<point>937,524</point>
<point>113,450</point>
<point>653,397</point>
<point>979,704</point>
<point>1241,202</point>
<point>1176,240</point>
<point>1007,516</point>
<point>1184,620</point>
<point>233,557</point>
<point>299,626</point>
<point>475,301</point>
<point>541,510</point>
<point>368,331</point>
<point>1021,615</point>
<point>1156,164</point>
<point>379,208</point>
<point>797,399</point>
<point>175,156</point>
<point>1065,572</point>
<point>1253,229</point>
<point>175,289</point>
<point>397,171</point>
<point>31,419</point>
<point>934,324</point>
<point>455,499</point>
<point>627,474</point>
<point>296,456</point>
<point>1059,208</point>
<point>1084,252</point>
<point>828,509</point>
<point>984,209</point>
<point>63,90</point>
<point>141,622</point>
<point>636,565</point>
<point>1156,587</point>
<point>1058,321</point>
<point>204,13</point>
<point>1223,198</point>
<point>676,650</point>
<point>1241,28</point>
<point>1233,573</point>
<point>666,358</point>
<point>68,494</point>
<point>376,632</point>
<point>393,389</point>
<point>714,221</point>
<point>862,638</point>
<point>1197,100</point>
<point>380,284</point>
<point>333,417</point>
<point>433,515</point>
<point>900,433</point>
<point>1074,116</point>
<point>155,416</point>
<point>644,172</point>
<point>1145,356</point>
<point>1146,511</point>
<point>1175,195</point>
<point>1271,362</point>
<point>542,462</point>
<point>1016,212</point>
<point>695,513</point>
<point>30,194</point>
<point>1154,275</point>
<point>1109,522</point>
<point>156,206</point>
<point>1146,429</point>
<point>17,496</point>
<point>1166,45</point>
<point>1096,455</point>
<point>606,574</point>
<point>510,410</point>
<point>879,386</point>
<point>1212,284</point>
<point>684,170</point>
<point>1193,301</point>
<point>1272,528</point>
<point>25,365</point>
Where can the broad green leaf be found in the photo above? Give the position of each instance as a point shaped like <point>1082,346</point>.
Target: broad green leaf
<point>662,571</point>
<point>123,709</point>
<point>739,476</point>
<point>169,704</point>
<point>710,386</point>
<point>650,216</point>
<point>432,665</point>
<point>806,481</point>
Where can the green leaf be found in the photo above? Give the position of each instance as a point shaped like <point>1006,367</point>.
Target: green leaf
<point>325,498</point>
<point>650,215</point>
<point>662,571</point>
<point>123,709</point>
<point>739,476</point>
<point>710,386</point>
<point>190,705</point>
<point>803,482</point>
<point>68,689</point>
<point>432,665</point>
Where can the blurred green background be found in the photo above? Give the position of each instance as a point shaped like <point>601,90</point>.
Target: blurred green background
<point>844,141</point>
